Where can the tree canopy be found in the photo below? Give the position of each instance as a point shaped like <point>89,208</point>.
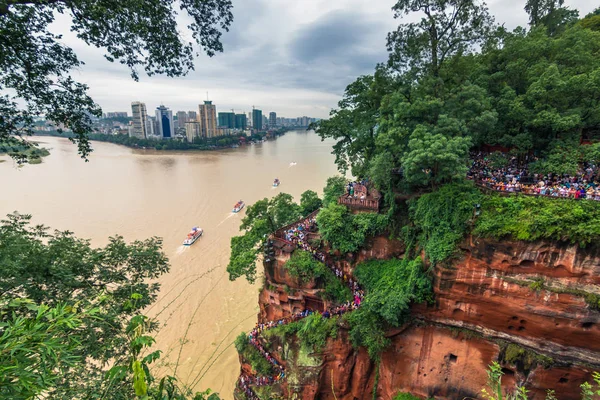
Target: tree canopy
<point>456,82</point>
<point>35,64</point>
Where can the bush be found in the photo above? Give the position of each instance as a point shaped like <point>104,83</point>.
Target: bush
<point>252,356</point>
<point>303,266</point>
<point>533,218</point>
<point>391,286</point>
<point>441,218</point>
<point>346,232</point>
<point>334,188</point>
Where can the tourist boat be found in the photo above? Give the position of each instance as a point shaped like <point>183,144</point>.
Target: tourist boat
<point>292,163</point>
<point>238,206</point>
<point>276,182</point>
<point>194,234</point>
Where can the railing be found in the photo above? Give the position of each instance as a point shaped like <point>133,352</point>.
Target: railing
<point>368,203</point>
<point>280,233</point>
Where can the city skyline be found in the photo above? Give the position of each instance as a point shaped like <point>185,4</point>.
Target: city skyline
<point>318,49</point>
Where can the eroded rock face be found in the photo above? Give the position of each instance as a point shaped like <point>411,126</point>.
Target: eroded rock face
<point>498,293</point>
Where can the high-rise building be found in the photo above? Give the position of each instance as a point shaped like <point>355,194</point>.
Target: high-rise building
<point>192,116</point>
<point>272,119</point>
<point>181,119</point>
<point>207,116</point>
<point>164,120</point>
<point>240,121</point>
<point>150,128</point>
<point>227,120</point>
<point>257,119</point>
<point>192,130</point>
<point>140,115</point>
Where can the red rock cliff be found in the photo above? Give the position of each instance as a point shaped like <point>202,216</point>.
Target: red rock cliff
<point>498,296</point>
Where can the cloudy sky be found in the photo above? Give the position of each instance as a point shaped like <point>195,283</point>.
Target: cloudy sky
<point>291,57</point>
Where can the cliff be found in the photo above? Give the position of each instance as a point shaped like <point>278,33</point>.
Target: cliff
<point>527,304</point>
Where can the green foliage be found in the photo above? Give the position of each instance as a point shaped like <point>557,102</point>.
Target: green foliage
<point>249,353</point>
<point>30,153</point>
<point>589,391</point>
<point>441,218</point>
<point>334,188</point>
<point>35,64</point>
<point>303,266</point>
<point>309,202</point>
<point>347,232</point>
<point>405,396</point>
<point>37,346</point>
<point>262,218</point>
<point>354,123</point>
<point>526,359</point>
<point>59,269</point>
<point>314,330</point>
<point>391,286</point>
<point>433,159</point>
<point>533,90</point>
<point>444,30</point>
<point>532,218</point>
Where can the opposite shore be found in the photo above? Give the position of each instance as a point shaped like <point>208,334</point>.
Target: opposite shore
<point>217,143</point>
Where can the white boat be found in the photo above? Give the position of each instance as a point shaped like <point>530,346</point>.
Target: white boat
<point>238,206</point>
<point>194,234</point>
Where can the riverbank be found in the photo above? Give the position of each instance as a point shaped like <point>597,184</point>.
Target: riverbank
<point>217,143</point>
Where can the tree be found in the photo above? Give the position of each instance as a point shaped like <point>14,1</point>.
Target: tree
<point>63,272</point>
<point>550,13</point>
<point>334,188</point>
<point>262,218</point>
<point>433,158</point>
<point>35,65</point>
<point>354,124</point>
<point>346,232</point>
<point>309,202</point>
<point>449,27</point>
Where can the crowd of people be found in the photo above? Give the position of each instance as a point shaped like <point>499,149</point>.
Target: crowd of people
<point>515,176</point>
<point>297,234</point>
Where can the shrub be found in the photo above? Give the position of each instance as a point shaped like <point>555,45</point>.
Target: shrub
<point>533,218</point>
<point>441,218</point>
<point>391,286</point>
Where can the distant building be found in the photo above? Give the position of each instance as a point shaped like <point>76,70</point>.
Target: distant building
<point>227,120</point>
<point>272,119</point>
<point>140,116</point>
<point>182,118</point>
<point>265,121</point>
<point>305,121</point>
<point>164,120</point>
<point>116,114</point>
<point>192,130</point>
<point>257,119</point>
<point>192,116</point>
<point>151,128</point>
<point>240,121</point>
<point>207,114</point>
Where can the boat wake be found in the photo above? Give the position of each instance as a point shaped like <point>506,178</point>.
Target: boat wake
<point>180,250</point>
<point>226,218</point>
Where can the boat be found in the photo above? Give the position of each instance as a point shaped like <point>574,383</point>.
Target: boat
<point>292,163</point>
<point>276,182</point>
<point>194,234</point>
<point>238,206</point>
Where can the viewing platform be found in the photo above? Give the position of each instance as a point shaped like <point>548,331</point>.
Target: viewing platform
<point>361,198</point>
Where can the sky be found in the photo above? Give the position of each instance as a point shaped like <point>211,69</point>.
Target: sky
<point>291,57</point>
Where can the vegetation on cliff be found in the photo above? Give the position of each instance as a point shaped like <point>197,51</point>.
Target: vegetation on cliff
<point>303,266</point>
<point>391,286</point>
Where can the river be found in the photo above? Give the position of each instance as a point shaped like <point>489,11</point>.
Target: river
<point>138,194</point>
